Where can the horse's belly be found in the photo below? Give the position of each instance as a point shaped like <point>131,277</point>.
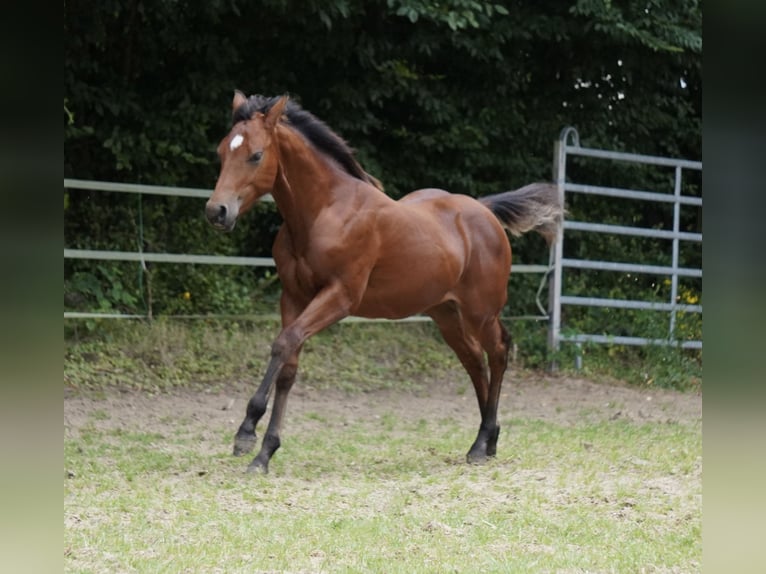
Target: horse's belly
<point>408,293</point>
<point>385,308</point>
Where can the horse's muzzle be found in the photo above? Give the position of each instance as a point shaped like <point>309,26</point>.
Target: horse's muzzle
<point>220,216</point>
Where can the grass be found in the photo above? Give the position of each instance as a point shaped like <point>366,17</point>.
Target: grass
<point>384,493</point>
<point>607,497</point>
<point>164,355</point>
<point>167,354</point>
<point>650,366</point>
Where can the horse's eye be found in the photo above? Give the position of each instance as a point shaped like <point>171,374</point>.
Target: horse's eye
<point>256,157</point>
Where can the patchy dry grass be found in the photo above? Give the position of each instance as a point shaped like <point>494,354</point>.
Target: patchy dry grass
<point>166,355</point>
<point>386,495</point>
<point>589,477</point>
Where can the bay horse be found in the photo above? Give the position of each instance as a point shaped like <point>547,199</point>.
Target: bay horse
<point>346,248</point>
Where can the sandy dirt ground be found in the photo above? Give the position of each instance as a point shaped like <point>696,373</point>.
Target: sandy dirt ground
<point>557,399</point>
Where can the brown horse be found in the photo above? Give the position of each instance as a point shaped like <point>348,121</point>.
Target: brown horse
<point>345,248</point>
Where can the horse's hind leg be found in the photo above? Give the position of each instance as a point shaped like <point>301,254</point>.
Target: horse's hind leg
<point>460,337</point>
<point>496,342</point>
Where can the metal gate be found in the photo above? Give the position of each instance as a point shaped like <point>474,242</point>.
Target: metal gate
<point>567,145</point>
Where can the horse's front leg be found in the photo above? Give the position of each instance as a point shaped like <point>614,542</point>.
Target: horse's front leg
<point>271,440</point>
<point>245,439</point>
<point>328,307</point>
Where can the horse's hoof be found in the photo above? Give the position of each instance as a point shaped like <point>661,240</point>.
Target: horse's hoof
<point>476,458</point>
<point>257,467</point>
<point>244,444</point>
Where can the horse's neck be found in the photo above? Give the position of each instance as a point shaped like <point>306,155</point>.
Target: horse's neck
<point>305,183</point>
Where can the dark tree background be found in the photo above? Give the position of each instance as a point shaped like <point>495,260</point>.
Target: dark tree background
<point>460,94</point>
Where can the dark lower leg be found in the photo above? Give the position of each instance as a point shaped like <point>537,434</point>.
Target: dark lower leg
<point>469,350</point>
<point>300,320</point>
<point>473,362</point>
<point>271,440</point>
<point>492,442</point>
<point>244,440</point>
<point>485,444</point>
<point>497,344</point>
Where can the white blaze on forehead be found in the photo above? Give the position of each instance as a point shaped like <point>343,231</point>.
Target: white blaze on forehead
<point>236,141</point>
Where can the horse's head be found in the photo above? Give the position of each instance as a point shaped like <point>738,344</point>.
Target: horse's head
<point>249,161</point>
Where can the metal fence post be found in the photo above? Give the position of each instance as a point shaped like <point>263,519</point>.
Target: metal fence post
<point>557,249</point>
<point>676,229</point>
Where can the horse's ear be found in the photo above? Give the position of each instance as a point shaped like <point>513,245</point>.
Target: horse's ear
<point>276,111</point>
<point>239,100</point>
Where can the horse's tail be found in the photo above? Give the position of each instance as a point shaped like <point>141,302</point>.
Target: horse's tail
<point>534,207</point>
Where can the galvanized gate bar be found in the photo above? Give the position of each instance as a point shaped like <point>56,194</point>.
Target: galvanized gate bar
<point>143,189</point>
<point>635,231</point>
<point>213,259</point>
<point>630,194</point>
<point>167,257</point>
<point>619,340</point>
<point>628,304</point>
<point>630,267</point>
<point>136,188</point>
<point>632,157</point>
<point>676,228</point>
<point>275,317</point>
<point>557,250</point>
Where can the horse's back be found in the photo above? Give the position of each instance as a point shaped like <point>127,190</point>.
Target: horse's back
<point>423,195</point>
<point>458,213</point>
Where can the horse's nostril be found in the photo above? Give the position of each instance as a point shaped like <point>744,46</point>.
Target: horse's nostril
<point>216,214</point>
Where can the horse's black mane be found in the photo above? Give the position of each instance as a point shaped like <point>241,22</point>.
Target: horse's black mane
<point>312,128</point>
